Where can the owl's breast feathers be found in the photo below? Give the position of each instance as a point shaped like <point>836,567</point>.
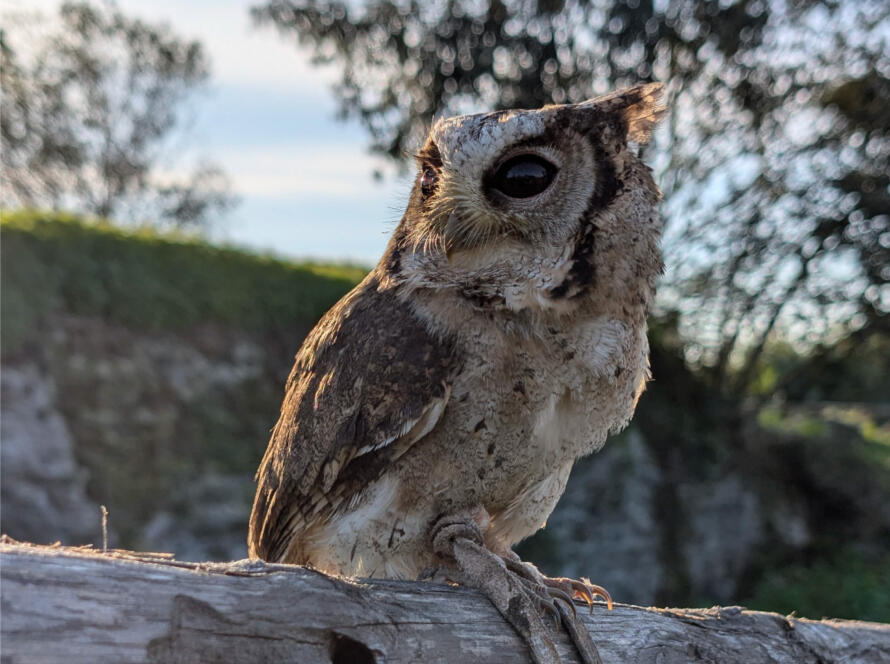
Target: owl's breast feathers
<point>369,381</point>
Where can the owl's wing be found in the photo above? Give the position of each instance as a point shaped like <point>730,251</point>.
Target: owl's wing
<point>369,381</point>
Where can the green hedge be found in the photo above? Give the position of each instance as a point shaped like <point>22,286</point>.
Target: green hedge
<point>848,585</point>
<point>56,262</point>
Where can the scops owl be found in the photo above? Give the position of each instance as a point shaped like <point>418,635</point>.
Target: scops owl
<point>433,415</point>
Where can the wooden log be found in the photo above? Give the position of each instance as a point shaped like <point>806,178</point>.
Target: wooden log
<point>73,605</point>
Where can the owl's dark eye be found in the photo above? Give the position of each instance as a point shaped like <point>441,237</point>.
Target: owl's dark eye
<point>523,176</point>
<point>428,181</point>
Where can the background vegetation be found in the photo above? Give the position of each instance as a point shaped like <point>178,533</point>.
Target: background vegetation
<point>88,111</point>
<point>150,281</point>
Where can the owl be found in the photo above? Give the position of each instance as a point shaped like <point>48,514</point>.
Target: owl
<point>433,415</point>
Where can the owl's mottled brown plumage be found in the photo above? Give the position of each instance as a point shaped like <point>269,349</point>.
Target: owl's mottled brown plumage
<point>366,374</point>
<point>501,337</point>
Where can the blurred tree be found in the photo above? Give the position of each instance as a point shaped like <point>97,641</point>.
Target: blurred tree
<point>774,163</point>
<point>84,122</point>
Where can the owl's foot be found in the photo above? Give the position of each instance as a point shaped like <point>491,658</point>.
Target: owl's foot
<point>566,590</point>
<point>582,590</point>
<point>519,593</point>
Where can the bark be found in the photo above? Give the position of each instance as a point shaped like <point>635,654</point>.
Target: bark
<point>71,605</point>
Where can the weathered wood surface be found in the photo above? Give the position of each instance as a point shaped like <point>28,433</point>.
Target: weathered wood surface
<point>78,605</point>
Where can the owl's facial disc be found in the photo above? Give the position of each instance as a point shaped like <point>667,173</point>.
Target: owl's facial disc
<point>527,187</point>
<point>526,177</point>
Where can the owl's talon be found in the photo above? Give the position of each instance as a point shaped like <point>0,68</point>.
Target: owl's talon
<point>587,591</point>
<point>583,590</point>
<point>559,593</point>
<point>549,606</point>
<point>517,589</point>
<point>585,595</point>
<point>458,540</point>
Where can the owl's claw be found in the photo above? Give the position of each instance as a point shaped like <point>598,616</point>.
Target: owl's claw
<point>539,582</point>
<point>460,540</point>
<point>583,590</point>
<point>587,590</point>
<point>519,592</point>
<point>558,593</point>
<point>571,589</point>
<point>566,590</point>
<point>549,606</point>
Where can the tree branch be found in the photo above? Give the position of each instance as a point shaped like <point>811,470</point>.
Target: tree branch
<point>78,605</point>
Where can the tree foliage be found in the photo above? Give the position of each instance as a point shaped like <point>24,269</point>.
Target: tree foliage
<point>87,112</point>
<point>774,163</point>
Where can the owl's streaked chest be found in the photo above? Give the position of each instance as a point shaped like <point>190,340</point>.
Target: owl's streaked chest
<point>532,405</point>
<point>563,389</point>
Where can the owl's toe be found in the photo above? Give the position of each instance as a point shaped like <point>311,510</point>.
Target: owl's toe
<point>559,594</point>
<point>582,590</point>
<point>549,590</point>
<point>580,636</point>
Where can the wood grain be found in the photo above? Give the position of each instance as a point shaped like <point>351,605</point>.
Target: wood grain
<point>71,605</point>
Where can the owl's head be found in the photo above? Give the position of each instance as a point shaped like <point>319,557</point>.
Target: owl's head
<point>494,184</point>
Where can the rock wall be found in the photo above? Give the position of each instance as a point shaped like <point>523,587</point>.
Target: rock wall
<point>42,487</point>
<point>162,429</point>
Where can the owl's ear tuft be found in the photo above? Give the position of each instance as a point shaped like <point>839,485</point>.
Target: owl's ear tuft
<point>641,107</point>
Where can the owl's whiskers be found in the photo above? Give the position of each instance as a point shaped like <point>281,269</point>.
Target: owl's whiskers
<point>467,231</point>
<point>462,221</point>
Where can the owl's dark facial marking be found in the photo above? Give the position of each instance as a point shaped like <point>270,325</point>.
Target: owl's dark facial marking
<point>522,176</point>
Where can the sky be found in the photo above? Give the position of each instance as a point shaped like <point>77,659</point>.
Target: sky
<point>267,118</point>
